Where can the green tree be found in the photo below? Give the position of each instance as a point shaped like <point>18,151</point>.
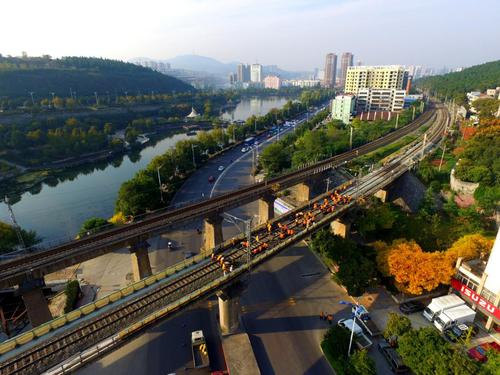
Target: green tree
<point>92,225</point>
<point>9,240</point>
<point>335,345</point>
<point>274,158</point>
<point>397,325</point>
<point>356,274</point>
<point>361,364</point>
<point>487,107</point>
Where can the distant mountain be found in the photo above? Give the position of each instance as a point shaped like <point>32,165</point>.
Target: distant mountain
<point>478,77</point>
<point>215,67</point>
<point>85,75</point>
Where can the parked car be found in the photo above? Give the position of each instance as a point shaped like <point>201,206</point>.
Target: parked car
<point>244,149</point>
<point>479,353</point>
<point>392,357</point>
<point>411,307</point>
<point>458,331</point>
<point>221,168</point>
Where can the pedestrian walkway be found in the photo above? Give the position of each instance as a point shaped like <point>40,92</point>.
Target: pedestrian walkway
<point>240,358</point>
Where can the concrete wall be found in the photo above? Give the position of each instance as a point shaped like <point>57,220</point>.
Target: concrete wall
<point>462,187</point>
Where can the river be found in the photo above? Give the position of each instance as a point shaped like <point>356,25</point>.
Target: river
<point>57,212</point>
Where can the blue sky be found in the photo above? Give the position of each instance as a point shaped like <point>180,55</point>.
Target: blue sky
<point>294,34</point>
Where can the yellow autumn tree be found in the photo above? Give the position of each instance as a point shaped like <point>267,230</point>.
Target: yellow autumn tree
<point>416,271</point>
<point>118,219</point>
<point>471,246</point>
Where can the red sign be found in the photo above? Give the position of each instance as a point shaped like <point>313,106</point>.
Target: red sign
<point>476,298</point>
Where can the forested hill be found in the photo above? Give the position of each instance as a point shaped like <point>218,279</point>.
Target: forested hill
<point>85,75</point>
<point>475,78</point>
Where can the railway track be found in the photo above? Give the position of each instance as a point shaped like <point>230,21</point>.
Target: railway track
<point>74,340</point>
<point>13,271</point>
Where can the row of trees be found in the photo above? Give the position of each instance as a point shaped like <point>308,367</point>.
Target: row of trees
<point>424,351</point>
<point>142,193</point>
<point>316,144</point>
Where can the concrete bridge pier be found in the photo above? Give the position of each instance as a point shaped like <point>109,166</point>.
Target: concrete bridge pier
<point>303,191</point>
<point>229,307</point>
<point>266,208</point>
<point>141,267</point>
<point>212,231</point>
<point>340,227</point>
<point>36,304</point>
<point>383,195</point>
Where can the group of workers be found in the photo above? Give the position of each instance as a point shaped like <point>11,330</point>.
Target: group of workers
<point>226,265</point>
<point>325,316</point>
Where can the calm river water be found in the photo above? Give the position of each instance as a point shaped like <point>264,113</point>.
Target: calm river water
<point>58,212</point>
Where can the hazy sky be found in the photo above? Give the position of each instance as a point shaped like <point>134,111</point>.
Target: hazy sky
<point>294,34</point>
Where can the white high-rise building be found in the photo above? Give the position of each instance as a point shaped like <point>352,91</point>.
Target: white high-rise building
<point>256,73</point>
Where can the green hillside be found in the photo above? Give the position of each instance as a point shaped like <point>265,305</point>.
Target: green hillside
<point>85,75</point>
<point>475,78</point>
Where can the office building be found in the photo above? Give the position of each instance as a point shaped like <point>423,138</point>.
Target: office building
<point>243,74</point>
<point>345,62</point>
<point>330,70</point>
<point>343,108</point>
<point>272,82</point>
<point>368,100</point>
<point>256,73</point>
<point>478,283</point>
<point>374,77</point>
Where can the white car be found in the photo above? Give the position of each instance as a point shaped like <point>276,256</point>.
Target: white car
<point>221,168</point>
<point>244,149</point>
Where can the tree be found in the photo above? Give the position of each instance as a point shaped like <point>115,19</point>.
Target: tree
<point>424,351</point>
<point>470,246</point>
<point>361,364</point>
<point>415,270</point>
<point>356,274</point>
<point>92,225</point>
<point>397,325</point>
<point>492,365</point>
<point>487,107</point>
<point>274,158</point>
<point>9,240</point>
<point>335,345</point>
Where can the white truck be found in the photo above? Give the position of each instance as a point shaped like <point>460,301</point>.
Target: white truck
<point>440,304</point>
<point>456,315</point>
<point>199,349</point>
<point>360,338</point>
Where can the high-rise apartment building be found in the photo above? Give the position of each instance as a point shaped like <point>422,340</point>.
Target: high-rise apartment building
<point>345,62</point>
<point>374,77</point>
<point>368,100</point>
<point>256,73</point>
<point>243,74</point>
<point>330,70</point>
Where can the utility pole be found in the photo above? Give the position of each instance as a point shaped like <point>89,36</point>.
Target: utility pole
<point>413,117</point>
<point>442,157</point>
<point>96,98</point>
<point>255,125</point>
<point>32,99</point>
<point>350,139</point>
<point>14,222</point>
<point>327,184</point>
<point>397,120</point>
<point>423,145</point>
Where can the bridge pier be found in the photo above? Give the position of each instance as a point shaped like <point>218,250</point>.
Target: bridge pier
<point>229,307</point>
<point>383,195</point>
<point>141,267</point>
<point>303,191</point>
<point>266,208</point>
<point>212,232</point>
<point>36,304</point>
<point>340,227</point>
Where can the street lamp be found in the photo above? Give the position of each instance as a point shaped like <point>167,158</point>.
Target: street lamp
<point>159,182</point>
<point>192,151</point>
<point>356,311</point>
